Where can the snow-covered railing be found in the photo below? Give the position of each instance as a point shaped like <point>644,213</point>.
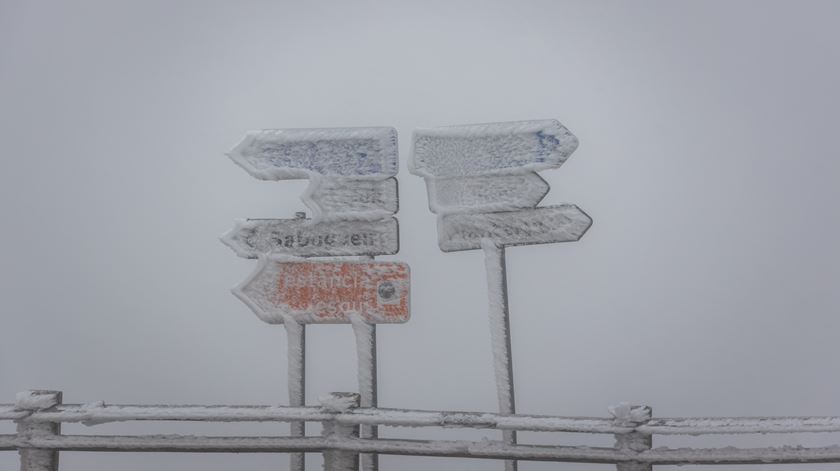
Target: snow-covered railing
<point>39,415</point>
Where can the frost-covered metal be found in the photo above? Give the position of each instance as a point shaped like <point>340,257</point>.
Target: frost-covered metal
<point>337,198</point>
<point>251,238</point>
<point>353,195</point>
<point>482,181</point>
<point>39,440</point>
<point>327,292</point>
<point>545,225</point>
<point>282,154</point>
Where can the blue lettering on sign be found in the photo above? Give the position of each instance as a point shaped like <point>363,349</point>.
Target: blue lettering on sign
<point>279,154</point>
<point>548,143</point>
<point>312,156</point>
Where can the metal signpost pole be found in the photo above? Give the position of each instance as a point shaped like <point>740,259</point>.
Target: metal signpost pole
<point>296,379</point>
<point>366,357</point>
<point>296,376</point>
<point>482,183</point>
<point>353,195</point>
<point>494,262</point>
<point>365,334</point>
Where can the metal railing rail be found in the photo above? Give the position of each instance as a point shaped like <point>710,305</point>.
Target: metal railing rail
<point>39,415</point>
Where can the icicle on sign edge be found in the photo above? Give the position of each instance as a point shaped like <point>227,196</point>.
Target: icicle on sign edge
<point>401,270</point>
<point>329,152</point>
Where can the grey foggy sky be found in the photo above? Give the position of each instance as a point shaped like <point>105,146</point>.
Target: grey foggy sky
<point>708,161</point>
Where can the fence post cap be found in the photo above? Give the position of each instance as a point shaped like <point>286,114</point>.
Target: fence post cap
<point>339,401</point>
<point>627,413</point>
<point>36,399</point>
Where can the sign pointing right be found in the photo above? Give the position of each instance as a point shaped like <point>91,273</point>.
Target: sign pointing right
<point>481,180</point>
<point>549,224</point>
<point>485,192</point>
<point>491,148</point>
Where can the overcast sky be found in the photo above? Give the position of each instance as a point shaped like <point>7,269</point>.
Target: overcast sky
<point>708,161</point>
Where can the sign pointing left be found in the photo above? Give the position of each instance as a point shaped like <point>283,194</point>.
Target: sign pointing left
<point>283,154</point>
<point>304,238</point>
<point>327,292</point>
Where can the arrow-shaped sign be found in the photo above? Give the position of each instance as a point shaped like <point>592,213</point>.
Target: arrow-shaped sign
<point>327,292</point>
<point>492,148</point>
<point>334,198</point>
<point>561,223</point>
<point>251,238</point>
<point>282,154</point>
<point>485,193</point>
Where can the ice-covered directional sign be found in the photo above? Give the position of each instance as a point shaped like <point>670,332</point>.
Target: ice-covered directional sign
<point>561,223</point>
<point>485,192</point>
<point>251,238</point>
<point>281,154</point>
<point>338,198</point>
<point>492,148</point>
<point>327,292</point>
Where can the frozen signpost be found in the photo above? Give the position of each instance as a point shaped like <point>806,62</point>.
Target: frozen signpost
<point>352,194</point>
<point>482,184</point>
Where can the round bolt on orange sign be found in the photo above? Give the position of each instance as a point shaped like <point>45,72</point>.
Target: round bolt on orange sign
<point>327,292</point>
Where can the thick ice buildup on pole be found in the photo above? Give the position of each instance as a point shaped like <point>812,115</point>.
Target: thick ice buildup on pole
<point>499,324</point>
<point>625,413</point>
<point>36,399</point>
<point>364,356</point>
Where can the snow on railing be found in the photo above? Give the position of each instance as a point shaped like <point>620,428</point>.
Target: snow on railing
<point>39,415</point>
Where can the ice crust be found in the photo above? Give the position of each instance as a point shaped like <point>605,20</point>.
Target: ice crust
<point>36,400</point>
<point>344,199</point>
<point>547,224</point>
<point>259,292</point>
<point>485,193</point>
<point>282,154</point>
<point>491,148</point>
<point>251,238</point>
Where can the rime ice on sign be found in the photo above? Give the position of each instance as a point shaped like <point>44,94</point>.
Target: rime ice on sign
<point>474,173</point>
<point>352,195</point>
<point>305,238</point>
<point>337,198</point>
<point>561,223</point>
<point>481,181</point>
<point>327,292</point>
<point>485,193</point>
<point>348,168</point>
<point>492,148</point>
<point>282,154</point>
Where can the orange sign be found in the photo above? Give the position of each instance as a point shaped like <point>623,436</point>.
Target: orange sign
<point>328,292</point>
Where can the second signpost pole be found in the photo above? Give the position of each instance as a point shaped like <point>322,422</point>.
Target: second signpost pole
<point>494,261</point>
<point>296,343</point>
<point>365,334</point>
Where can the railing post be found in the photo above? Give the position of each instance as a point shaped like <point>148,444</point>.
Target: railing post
<point>338,460</point>
<point>33,459</point>
<point>634,441</point>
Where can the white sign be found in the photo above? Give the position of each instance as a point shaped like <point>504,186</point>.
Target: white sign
<point>485,193</point>
<point>305,238</point>
<point>333,198</point>
<point>492,148</point>
<point>281,154</point>
<point>327,292</point>
<point>561,223</point>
